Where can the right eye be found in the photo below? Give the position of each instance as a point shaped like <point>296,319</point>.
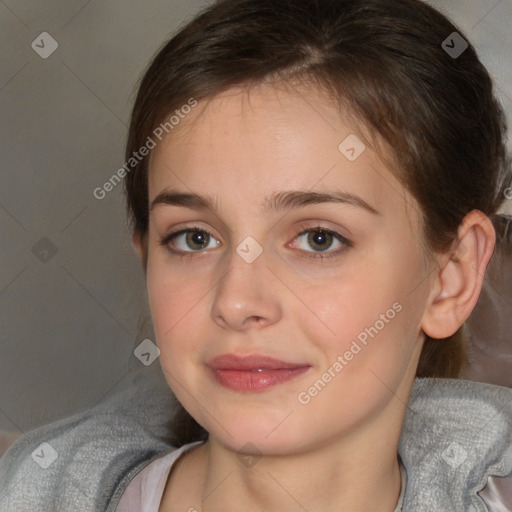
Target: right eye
<point>188,240</point>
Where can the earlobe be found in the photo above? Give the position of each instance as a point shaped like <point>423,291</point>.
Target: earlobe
<point>460,277</point>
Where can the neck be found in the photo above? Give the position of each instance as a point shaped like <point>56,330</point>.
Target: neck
<point>359,472</point>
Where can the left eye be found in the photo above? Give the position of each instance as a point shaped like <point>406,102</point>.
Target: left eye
<point>322,240</point>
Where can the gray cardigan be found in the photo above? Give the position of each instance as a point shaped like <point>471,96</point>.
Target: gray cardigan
<point>456,446</point>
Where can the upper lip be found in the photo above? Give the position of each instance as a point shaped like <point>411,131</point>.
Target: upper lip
<point>251,362</point>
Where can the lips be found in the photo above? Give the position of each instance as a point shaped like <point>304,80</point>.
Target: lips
<point>253,372</point>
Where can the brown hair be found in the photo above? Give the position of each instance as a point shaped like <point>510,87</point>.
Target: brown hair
<point>383,60</point>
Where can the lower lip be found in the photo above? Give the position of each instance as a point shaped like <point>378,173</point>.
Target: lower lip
<point>253,380</point>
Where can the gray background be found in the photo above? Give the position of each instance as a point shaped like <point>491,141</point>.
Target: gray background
<point>70,319</point>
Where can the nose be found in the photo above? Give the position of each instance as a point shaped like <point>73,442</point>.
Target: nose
<point>247,296</point>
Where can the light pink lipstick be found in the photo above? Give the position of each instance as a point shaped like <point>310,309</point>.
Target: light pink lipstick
<point>254,372</point>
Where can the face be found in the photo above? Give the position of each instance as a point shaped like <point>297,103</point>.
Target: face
<point>316,304</point>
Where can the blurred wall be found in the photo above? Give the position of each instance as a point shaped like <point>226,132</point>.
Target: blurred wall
<point>71,290</point>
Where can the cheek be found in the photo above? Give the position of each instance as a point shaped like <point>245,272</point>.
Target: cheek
<point>172,296</point>
<point>367,316</point>
<point>348,305</point>
<point>174,302</point>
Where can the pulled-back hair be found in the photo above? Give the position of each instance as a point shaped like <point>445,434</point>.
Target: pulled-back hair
<point>385,64</point>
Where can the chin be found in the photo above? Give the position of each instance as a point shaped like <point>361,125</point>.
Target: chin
<point>258,438</point>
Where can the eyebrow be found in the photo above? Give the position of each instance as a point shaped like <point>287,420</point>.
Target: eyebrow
<point>279,201</point>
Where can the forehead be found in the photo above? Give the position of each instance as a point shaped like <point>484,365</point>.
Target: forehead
<point>268,138</point>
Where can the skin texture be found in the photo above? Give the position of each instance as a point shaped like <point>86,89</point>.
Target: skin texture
<point>338,451</point>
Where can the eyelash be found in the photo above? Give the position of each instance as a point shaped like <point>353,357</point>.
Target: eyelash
<point>165,241</point>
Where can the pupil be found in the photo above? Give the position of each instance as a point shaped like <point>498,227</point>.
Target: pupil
<point>318,238</point>
<point>198,238</point>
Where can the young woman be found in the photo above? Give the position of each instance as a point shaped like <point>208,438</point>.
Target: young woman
<point>312,186</point>
<point>314,224</point>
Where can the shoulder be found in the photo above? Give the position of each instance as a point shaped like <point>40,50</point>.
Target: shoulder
<point>76,463</point>
<point>456,434</point>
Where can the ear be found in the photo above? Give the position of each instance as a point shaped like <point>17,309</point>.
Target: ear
<point>460,277</point>
<point>139,244</point>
